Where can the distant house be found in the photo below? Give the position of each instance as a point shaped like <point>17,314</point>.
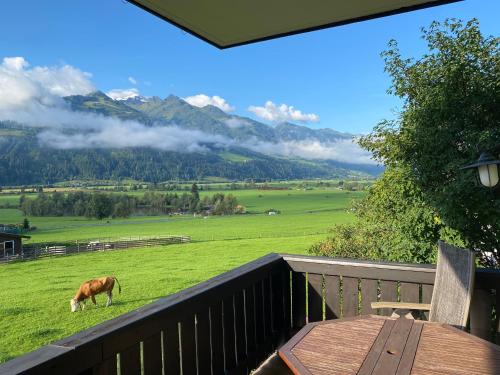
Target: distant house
<point>11,244</point>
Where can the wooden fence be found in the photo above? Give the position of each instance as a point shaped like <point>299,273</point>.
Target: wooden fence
<point>230,323</point>
<point>329,288</point>
<point>36,251</point>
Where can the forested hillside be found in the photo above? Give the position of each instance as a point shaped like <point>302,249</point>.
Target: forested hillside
<point>224,146</point>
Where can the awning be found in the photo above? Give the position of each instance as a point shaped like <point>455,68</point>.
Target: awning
<point>229,23</point>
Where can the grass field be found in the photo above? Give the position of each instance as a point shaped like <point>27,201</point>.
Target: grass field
<point>34,298</point>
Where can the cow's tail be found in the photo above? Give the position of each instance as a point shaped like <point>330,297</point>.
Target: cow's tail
<point>119,286</point>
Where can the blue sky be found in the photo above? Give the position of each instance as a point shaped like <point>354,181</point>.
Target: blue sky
<point>336,74</point>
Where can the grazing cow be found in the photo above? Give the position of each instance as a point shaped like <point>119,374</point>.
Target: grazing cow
<point>92,287</point>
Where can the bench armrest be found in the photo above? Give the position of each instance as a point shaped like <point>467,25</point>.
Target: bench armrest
<point>401,305</point>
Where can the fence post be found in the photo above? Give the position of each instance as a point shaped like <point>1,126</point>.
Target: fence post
<point>77,246</point>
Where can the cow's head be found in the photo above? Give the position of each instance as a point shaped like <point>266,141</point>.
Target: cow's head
<point>74,304</point>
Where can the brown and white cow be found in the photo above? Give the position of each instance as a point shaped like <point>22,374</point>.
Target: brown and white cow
<point>89,289</point>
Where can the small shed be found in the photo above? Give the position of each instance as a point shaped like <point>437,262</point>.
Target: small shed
<point>11,244</point>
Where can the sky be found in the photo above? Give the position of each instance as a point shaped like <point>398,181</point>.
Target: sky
<point>331,78</point>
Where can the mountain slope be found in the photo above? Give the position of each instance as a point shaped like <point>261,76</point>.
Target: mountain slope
<point>25,160</point>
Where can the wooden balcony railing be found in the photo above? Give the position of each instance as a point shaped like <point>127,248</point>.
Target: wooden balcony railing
<point>230,323</point>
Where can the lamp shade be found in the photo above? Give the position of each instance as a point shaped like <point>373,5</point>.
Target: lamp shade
<point>487,168</point>
<point>488,174</point>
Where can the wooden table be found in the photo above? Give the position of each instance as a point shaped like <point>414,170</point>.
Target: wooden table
<point>381,345</point>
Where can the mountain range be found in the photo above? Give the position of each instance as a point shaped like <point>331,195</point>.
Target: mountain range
<point>209,143</point>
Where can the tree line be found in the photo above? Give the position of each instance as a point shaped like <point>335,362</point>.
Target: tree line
<point>101,205</point>
<point>449,115</point>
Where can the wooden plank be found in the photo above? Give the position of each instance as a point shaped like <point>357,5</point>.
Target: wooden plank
<point>217,338</point>
<point>239,325</point>
<point>497,305</point>
<point>369,294</point>
<point>298,300</point>
<point>203,350</point>
<point>106,367</point>
<point>315,297</point>
<point>446,350</point>
<point>287,301</point>
<point>421,273</point>
<point>390,357</point>
<point>152,361</point>
<point>487,278</point>
<point>229,339</point>
<point>334,346</point>
<point>188,345</point>
<point>427,296</point>
<point>410,349</point>
<point>267,304</point>
<point>332,297</point>
<point>278,308</point>
<point>410,292</point>
<point>349,297</point>
<point>401,305</point>
<point>171,352</point>
<point>388,293</point>
<point>259,314</point>
<point>250,326</point>
<point>250,319</point>
<point>480,314</point>
<point>130,360</point>
<point>376,349</point>
<point>453,285</point>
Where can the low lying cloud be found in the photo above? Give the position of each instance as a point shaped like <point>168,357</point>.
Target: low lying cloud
<point>235,122</point>
<point>33,97</point>
<point>282,113</point>
<point>345,150</point>
<point>123,134</point>
<point>122,94</point>
<point>202,100</point>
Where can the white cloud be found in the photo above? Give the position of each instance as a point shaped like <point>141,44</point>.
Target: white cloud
<point>202,100</point>
<point>15,63</point>
<point>236,122</point>
<point>282,113</point>
<point>22,86</point>
<point>32,96</point>
<point>122,94</point>
<point>113,133</point>
<point>345,150</point>
<point>132,80</point>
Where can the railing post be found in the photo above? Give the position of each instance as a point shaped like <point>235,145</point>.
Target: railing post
<point>480,314</point>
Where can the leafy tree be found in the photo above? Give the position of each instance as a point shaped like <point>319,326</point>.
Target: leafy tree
<point>194,190</point>
<point>451,98</point>
<point>122,209</point>
<point>99,206</point>
<point>26,224</point>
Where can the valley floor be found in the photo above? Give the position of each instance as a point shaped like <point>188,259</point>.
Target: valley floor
<point>34,302</point>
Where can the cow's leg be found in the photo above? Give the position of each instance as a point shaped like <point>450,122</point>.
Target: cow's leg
<point>82,305</point>
<point>94,301</point>
<point>110,298</point>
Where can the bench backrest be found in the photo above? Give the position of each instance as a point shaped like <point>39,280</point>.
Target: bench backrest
<point>453,286</point>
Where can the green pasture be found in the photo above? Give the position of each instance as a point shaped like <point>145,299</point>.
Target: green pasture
<point>34,302</point>
<point>302,212</point>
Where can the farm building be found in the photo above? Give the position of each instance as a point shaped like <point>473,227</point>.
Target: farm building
<point>11,244</point>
